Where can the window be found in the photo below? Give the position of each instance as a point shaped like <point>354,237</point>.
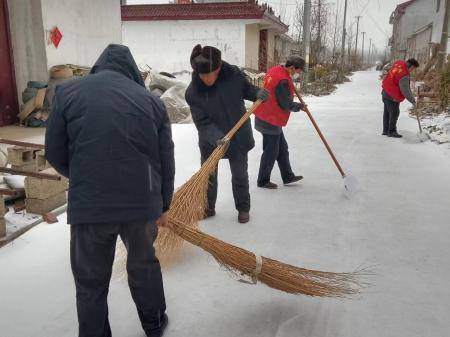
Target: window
<point>438,5</point>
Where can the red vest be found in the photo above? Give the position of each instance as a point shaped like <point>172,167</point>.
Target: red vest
<point>270,111</point>
<point>390,82</point>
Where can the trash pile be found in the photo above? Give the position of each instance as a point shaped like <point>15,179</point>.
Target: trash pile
<point>171,90</point>
<point>38,96</point>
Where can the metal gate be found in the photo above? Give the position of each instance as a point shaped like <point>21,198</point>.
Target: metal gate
<point>8,95</point>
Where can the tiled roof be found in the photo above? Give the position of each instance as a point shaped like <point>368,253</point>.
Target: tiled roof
<point>199,11</point>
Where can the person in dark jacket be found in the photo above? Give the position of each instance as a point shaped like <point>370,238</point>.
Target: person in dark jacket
<point>216,98</point>
<point>272,116</point>
<point>396,87</point>
<point>113,140</point>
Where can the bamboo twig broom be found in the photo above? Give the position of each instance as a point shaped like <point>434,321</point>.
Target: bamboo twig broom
<point>275,274</point>
<point>187,209</point>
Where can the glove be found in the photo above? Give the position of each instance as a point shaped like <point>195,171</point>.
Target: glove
<point>296,106</point>
<point>225,142</point>
<point>262,95</point>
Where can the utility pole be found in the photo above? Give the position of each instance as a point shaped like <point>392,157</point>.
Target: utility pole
<point>344,32</point>
<point>370,52</point>
<point>362,49</point>
<point>306,36</point>
<point>357,33</point>
<point>444,37</point>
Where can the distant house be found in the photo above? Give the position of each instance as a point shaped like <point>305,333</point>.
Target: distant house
<point>38,34</point>
<point>285,46</point>
<point>162,36</point>
<point>417,27</point>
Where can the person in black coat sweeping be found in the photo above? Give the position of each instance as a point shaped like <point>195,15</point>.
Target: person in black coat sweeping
<point>113,140</point>
<point>216,98</point>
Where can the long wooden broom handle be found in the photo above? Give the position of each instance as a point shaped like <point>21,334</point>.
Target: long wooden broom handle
<point>322,137</point>
<point>243,119</point>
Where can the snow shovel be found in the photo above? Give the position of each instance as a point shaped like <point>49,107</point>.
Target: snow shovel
<point>422,136</point>
<point>350,182</point>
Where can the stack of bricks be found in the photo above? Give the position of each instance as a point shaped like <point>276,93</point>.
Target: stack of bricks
<point>43,195</point>
<point>2,218</point>
<point>27,159</point>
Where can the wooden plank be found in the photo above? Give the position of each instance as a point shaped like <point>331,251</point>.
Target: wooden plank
<point>7,191</point>
<point>18,143</point>
<point>30,174</point>
<point>16,234</point>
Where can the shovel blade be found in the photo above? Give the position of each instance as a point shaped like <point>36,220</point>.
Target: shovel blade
<point>350,185</point>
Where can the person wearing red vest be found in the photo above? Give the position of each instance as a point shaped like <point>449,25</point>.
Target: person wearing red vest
<point>272,116</point>
<point>396,87</point>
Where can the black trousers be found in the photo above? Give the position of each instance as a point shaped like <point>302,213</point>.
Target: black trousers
<point>275,148</point>
<point>239,182</point>
<point>92,249</point>
<point>390,115</point>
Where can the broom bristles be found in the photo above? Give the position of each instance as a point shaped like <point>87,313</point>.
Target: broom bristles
<point>273,273</point>
<point>190,200</point>
<point>189,203</point>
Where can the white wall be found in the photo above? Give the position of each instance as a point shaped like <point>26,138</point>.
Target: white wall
<point>419,14</point>
<point>252,46</point>
<point>28,45</point>
<point>87,26</point>
<point>167,45</point>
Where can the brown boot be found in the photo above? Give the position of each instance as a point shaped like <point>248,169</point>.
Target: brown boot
<point>209,212</point>
<point>243,217</point>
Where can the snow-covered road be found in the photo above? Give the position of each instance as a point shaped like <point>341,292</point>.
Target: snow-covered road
<point>399,221</point>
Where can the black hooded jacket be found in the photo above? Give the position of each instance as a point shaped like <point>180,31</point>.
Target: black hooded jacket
<point>113,139</point>
<point>216,109</point>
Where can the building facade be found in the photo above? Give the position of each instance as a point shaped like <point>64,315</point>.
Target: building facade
<point>162,36</point>
<point>38,34</point>
<point>417,29</point>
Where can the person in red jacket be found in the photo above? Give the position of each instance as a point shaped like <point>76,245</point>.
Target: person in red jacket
<point>396,87</point>
<point>272,115</point>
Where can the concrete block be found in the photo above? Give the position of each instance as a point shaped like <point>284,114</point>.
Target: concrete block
<point>20,156</point>
<point>2,207</point>
<point>41,162</point>
<point>2,227</point>
<point>31,167</point>
<point>39,206</point>
<point>36,188</point>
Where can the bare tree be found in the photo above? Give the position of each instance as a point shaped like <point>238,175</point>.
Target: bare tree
<point>336,31</point>
<point>298,21</point>
<point>282,10</point>
<point>319,29</point>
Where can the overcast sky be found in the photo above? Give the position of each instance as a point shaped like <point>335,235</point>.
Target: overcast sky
<point>375,15</point>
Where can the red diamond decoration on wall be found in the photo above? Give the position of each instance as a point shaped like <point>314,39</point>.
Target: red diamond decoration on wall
<point>55,36</point>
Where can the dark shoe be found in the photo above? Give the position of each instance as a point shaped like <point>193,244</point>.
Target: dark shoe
<point>158,332</point>
<point>209,212</point>
<point>385,134</point>
<point>394,135</point>
<point>294,179</point>
<point>243,217</point>
<point>270,185</point>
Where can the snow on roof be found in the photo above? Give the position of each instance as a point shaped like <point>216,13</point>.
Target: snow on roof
<point>201,11</point>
